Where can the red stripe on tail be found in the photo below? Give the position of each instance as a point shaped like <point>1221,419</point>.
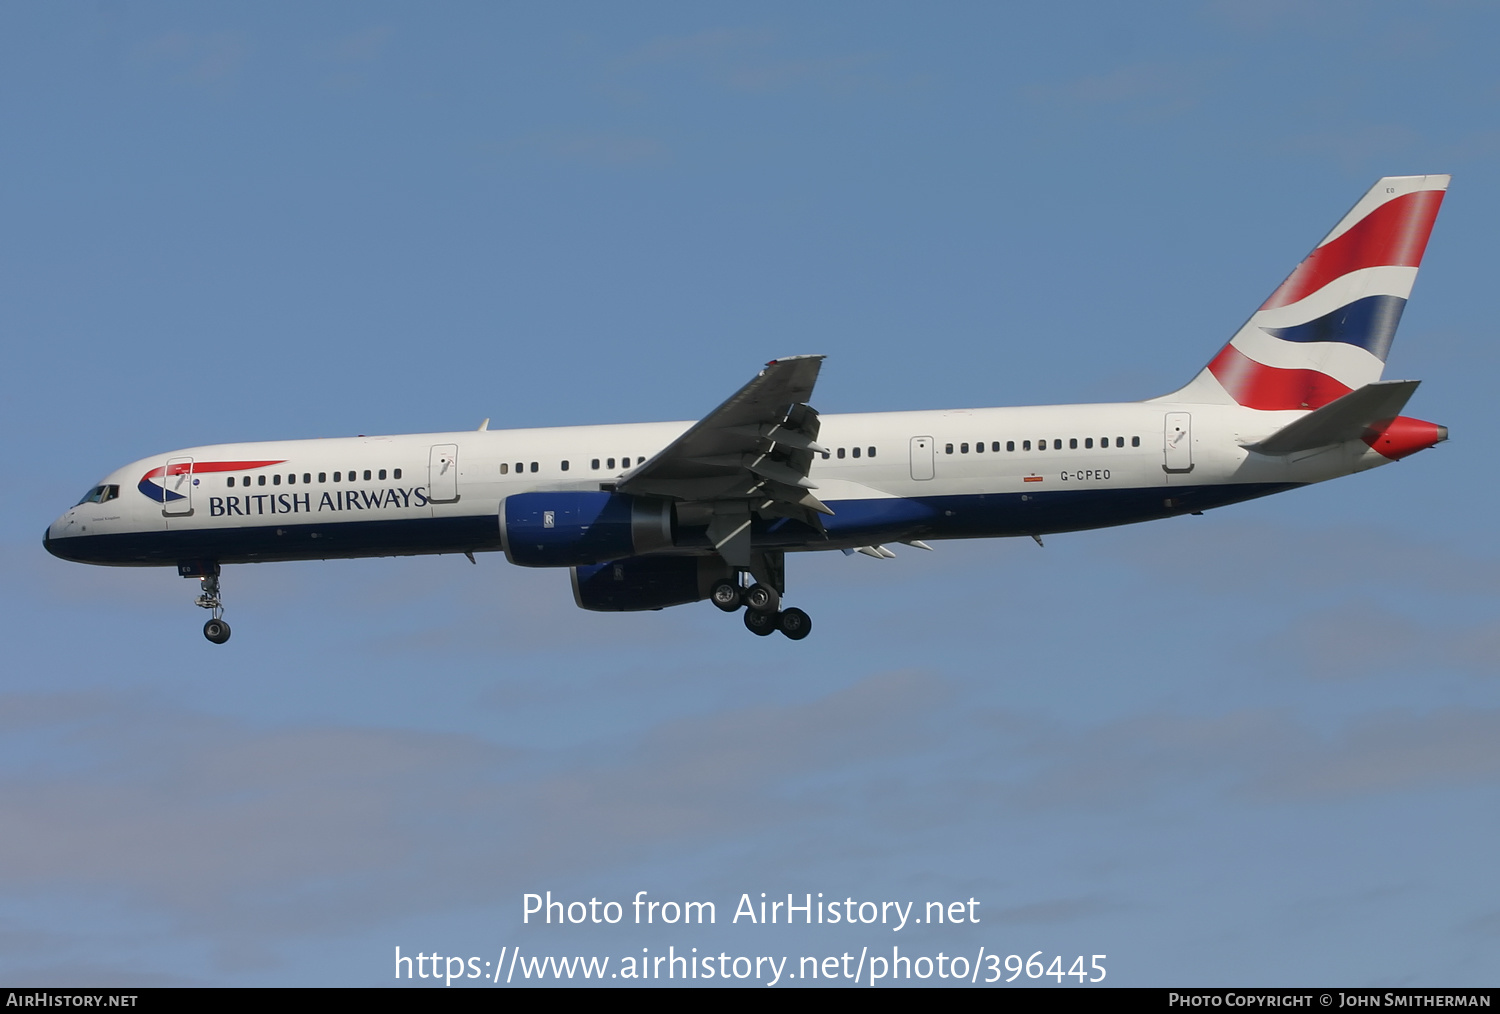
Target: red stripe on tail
<point>1256,385</point>
<point>1393,235</point>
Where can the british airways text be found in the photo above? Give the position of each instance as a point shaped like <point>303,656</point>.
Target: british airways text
<point>301,503</point>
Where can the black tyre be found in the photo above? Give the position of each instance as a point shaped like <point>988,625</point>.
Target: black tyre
<point>795,624</point>
<point>761,624</point>
<point>216,631</point>
<point>762,598</point>
<point>727,596</point>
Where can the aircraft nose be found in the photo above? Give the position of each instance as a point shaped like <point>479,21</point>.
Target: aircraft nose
<point>55,546</point>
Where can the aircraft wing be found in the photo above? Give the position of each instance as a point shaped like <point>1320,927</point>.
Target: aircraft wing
<point>751,455</point>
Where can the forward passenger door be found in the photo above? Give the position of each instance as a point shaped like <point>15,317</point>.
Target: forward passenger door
<point>442,473</point>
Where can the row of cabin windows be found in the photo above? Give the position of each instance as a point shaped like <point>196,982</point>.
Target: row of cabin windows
<point>1041,445</point>
<point>291,478</point>
<point>521,465</point>
<point>853,453</point>
<point>536,466</point>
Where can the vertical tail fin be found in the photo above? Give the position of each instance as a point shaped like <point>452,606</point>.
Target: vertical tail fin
<point>1326,330</point>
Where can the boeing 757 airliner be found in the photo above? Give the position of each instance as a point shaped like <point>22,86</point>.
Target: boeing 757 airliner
<point>649,515</point>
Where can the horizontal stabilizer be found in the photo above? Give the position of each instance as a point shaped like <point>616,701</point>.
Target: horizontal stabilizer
<point>1345,418</point>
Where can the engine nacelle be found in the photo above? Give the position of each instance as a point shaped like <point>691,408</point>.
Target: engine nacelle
<point>570,528</point>
<point>648,582</point>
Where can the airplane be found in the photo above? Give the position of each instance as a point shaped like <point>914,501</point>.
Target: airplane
<point>650,515</point>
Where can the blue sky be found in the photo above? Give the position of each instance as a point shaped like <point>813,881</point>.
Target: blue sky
<point>1254,747</point>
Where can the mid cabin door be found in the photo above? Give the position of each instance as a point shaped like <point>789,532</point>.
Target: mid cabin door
<point>1178,442</point>
<point>177,485</point>
<point>921,457</point>
<point>442,473</point>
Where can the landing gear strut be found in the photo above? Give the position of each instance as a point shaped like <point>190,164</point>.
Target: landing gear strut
<point>216,630</point>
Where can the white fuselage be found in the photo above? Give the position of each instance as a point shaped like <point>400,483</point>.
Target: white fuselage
<point>967,473</point>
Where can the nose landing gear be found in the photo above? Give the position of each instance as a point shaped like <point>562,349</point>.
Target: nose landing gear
<point>216,630</point>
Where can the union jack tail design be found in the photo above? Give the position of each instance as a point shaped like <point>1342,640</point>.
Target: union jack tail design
<point>1326,330</point>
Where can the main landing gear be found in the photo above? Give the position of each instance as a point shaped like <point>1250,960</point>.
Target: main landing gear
<point>760,602</point>
<point>216,630</point>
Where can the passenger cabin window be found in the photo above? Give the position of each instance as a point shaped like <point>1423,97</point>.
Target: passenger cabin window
<point>231,484</point>
<point>382,473</point>
<point>841,450</point>
<point>564,466</point>
<point>594,464</point>
<point>533,466</point>
<point>872,452</point>
<point>855,452</point>
<point>322,476</point>
<point>504,468</point>
<point>1135,441</point>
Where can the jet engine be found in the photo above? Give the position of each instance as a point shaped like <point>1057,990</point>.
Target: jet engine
<point>571,528</point>
<point>647,582</point>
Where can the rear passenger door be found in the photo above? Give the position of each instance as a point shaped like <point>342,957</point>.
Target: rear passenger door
<point>921,457</point>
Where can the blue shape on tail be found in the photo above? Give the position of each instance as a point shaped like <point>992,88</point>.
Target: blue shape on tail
<point>1369,323</point>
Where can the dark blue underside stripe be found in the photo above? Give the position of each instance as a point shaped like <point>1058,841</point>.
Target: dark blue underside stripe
<point>855,523</point>
<point>1369,323</point>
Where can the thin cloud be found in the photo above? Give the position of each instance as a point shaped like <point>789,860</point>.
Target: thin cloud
<point>1255,555</point>
<point>1355,148</point>
<point>1393,752</point>
<point>1363,639</point>
<point>1135,92</point>
<point>364,46</point>
<point>606,149</point>
<point>1256,756</point>
<point>244,836</point>
<point>738,59</point>
<point>201,58</point>
<point>708,44</point>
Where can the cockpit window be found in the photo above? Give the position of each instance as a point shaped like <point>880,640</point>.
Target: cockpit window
<point>100,494</point>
